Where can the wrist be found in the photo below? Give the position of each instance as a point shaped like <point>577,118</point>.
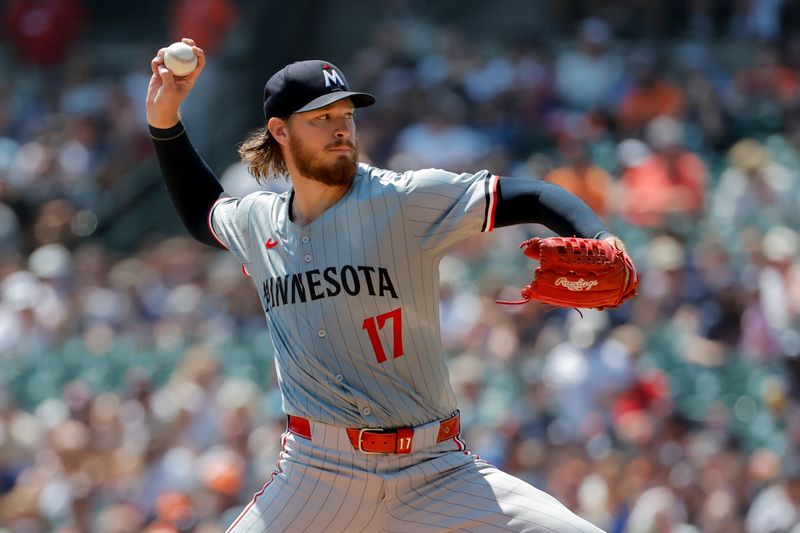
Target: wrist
<point>166,134</point>
<point>165,122</point>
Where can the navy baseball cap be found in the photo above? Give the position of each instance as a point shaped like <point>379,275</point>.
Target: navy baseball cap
<point>308,85</point>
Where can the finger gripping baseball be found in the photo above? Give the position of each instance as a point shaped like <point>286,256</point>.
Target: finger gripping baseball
<point>579,273</point>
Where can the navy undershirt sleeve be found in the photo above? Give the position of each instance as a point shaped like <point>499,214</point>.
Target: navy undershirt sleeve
<point>525,201</point>
<point>191,184</point>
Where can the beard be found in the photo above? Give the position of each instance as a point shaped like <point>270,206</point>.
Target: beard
<point>312,166</point>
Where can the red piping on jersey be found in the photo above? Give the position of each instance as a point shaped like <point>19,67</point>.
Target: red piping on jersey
<point>261,492</point>
<point>208,220</point>
<point>492,202</point>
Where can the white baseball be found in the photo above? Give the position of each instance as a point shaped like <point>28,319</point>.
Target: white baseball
<point>179,58</point>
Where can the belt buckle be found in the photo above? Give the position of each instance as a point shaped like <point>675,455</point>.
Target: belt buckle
<point>360,442</point>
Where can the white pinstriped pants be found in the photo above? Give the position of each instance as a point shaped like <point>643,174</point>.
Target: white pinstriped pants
<point>327,486</point>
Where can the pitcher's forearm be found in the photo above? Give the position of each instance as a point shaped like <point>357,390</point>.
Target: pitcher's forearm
<point>525,201</point>
<point>191,184</point>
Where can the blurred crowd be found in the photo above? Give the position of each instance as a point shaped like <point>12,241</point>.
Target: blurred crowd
<point>136,387</point>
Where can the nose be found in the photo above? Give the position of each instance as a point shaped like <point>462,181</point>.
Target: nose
<point>342,130</point>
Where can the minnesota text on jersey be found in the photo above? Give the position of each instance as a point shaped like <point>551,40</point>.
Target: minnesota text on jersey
<point>315,284</point>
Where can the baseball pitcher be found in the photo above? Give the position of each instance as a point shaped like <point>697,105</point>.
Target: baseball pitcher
<point>346,266</point>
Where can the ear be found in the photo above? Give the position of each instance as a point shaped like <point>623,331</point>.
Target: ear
<point>279,129</point>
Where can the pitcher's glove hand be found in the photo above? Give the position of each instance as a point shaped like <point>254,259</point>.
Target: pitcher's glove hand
<point>579,273</point>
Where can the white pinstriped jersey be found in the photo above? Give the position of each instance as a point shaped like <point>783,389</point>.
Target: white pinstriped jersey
<point>352,299</point>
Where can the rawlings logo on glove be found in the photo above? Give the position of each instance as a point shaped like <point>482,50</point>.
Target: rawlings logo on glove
<point>581,273</point>
<point>579,285</point>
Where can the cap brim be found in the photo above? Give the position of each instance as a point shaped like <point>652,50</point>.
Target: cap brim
<point>358,99</point>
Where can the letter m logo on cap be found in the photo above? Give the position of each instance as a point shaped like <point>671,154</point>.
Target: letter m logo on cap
<point>331,76</point>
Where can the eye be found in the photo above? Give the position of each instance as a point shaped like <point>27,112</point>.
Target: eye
<point>349,114</point>
<point>323,117</point>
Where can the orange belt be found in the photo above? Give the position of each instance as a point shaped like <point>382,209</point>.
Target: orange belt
<point>371,440</point>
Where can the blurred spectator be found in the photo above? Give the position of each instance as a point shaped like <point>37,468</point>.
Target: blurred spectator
<point>585,373</point>
<point>440,139</point>
<point>663,286</point>
<point>649,95</point>
<point>119,518</point>
<point>762,92</point>
<point>631,153</point>
<point>758,19</point>
<point>703,81</point>
<point>43,32</point>
<point>205,21</point>
<point>777,507</point>
<point>668,185</point>
<point>659,509</point>
<point>754,191</point>
<point>773,311</point>
<point>638,408</point>
<point>579,176</point>
<point>584,77</point>
<point>532,94</point>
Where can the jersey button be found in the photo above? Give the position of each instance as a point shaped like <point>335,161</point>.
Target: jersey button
<point>339,378</point>
<point>321,333</point>
<point>307,258</point>
<point>305,239</point>
<point>366,411</point>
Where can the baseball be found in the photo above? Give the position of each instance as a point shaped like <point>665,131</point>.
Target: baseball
<point>179,58</point>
